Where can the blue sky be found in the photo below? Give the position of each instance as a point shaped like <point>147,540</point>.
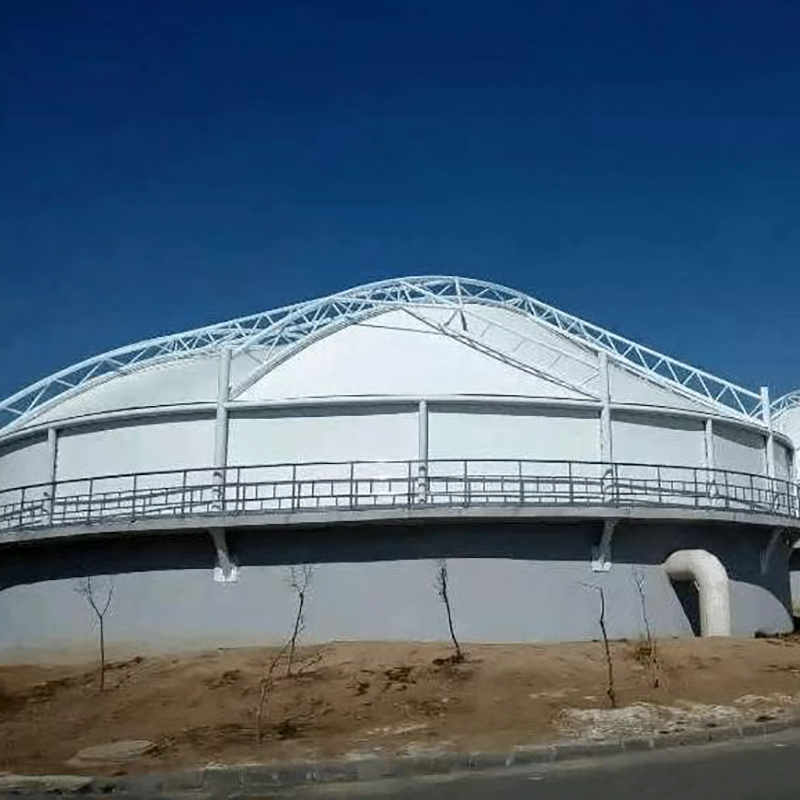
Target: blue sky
<point>166,165</point>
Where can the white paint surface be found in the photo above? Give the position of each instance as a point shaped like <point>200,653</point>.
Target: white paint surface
<point>397,355</point>
<point>514,435</point>
<point>305,437</point>
<point>738,449</point>
<point>143,447</point>
<point>652,439</point>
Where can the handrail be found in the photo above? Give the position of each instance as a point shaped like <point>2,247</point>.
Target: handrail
<point>358,485</point>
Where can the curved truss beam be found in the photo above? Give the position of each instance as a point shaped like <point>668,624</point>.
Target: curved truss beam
<point>271,330</point>
<point>786,402</point>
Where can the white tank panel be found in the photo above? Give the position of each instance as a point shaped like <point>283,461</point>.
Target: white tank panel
<point>144,447</point>
<point>513,435</point>
<point>738,449</point>
<point>397,355</point>
<point>24,462</point>
<point>784,462</point>
<point>628,388</point>
<point>185,381</point>
<point>652,439</point>
<point>306,437</point>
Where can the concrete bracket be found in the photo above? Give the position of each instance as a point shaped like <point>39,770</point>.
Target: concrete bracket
<point>225,571</point>
<point>601,554</point>
<point>766,554</point>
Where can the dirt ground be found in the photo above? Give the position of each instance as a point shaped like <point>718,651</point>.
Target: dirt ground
<point>353,699</point>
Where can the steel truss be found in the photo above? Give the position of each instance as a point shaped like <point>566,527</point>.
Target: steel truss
<point>275,335</point>
<point>787,402</point>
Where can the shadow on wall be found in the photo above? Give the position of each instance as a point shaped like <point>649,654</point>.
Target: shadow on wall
<point>738,548</point>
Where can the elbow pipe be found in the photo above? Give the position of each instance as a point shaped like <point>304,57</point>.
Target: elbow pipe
<point>708,574</point>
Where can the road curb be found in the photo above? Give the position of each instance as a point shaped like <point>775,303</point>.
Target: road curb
<point>233,780</point>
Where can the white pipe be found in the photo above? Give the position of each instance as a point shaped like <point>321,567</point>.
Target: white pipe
<point>713,587</point>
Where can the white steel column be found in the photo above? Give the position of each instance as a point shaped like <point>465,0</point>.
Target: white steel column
<point>766,412</point>
<point>52,466</point>
<point>606,452</point>
<point>221,422</point>
<point>422,452</point>
<point>710,461</point>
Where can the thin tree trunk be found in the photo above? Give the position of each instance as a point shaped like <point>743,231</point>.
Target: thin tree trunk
<point>298,621</point>
<point>446,599</point>
<point>102,655</point>
<point>612,697</point>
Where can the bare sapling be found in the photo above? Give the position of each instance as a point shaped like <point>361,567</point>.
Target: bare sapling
<point>299,582</point>
<point>93,595</point>
<point>610,690</point>
<point>650,650</point>
<point>442,589</point>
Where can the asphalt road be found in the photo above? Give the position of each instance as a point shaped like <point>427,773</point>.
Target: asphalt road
<point>763,769</point>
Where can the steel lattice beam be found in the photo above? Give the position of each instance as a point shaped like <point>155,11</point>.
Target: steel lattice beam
<point>263,334</point>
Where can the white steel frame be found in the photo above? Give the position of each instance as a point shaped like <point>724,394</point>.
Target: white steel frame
<point>273,336</point>
<point>785,403</point>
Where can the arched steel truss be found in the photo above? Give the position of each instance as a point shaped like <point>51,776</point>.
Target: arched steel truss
<point>274,335</point>
<point>788,401</point>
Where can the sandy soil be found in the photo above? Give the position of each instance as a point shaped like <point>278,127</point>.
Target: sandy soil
<point>351,699</point>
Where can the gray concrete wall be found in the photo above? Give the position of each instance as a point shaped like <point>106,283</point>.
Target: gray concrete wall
<point>794,577</point>
<point>509,582</point>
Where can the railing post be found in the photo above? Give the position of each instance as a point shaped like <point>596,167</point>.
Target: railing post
<point>521,484</point>
<point>22,507</point>
<point>133,496</point>
<point>696,488</point>
<point>183,495</point>
<point>466,485</point>
<point>90,500</point>
<point>352,485</point>
<point>571,484</point>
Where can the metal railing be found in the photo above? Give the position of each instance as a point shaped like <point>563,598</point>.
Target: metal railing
<point>357,485</point>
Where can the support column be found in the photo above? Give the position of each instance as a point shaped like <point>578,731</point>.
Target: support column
<point>422,452</point>
<point>709,435</point>
<point>225,570</point>
<point>601,553</point>
<point>709,459</point>
<point>221,426</point>
<point>606,452</point>
<point>52,466</point>
<point>766,412</point>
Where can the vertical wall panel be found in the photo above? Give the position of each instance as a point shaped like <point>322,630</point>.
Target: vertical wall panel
<point>651,439</point>
<point>514,433</point>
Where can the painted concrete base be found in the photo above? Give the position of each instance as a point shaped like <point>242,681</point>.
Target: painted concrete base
<point>508,583</point>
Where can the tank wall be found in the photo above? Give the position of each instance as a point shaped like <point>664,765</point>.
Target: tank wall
<point>507,583</point>
<point>398,355</point>
<point>148,445</point>
<point>627,388</point>
<point>24,462</point>
<point>784,462</point>
<point>658,440</point>
<point>514,435</point>
<point>738,449</point>
<point>298,437</point>
<point>788,422</point>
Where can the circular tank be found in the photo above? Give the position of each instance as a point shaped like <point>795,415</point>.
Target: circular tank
<point>371,435</point>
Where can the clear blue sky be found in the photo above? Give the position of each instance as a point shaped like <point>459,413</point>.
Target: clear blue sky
<point>171,164</point>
